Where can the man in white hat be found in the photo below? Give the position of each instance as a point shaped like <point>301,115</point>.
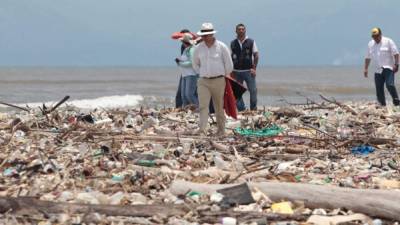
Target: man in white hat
<point>385,56</point>
<point>212,61</point>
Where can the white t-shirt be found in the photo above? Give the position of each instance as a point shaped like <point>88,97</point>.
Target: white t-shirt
<point>382,54</point>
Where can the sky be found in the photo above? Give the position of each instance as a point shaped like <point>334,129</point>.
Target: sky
<point>137,33</point>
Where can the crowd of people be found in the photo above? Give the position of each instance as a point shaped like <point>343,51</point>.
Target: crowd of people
<point>205,62</point>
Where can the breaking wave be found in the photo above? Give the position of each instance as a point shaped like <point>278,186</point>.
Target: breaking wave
<point>115,101</point>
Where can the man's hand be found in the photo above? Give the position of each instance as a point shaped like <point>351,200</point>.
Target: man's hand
<point>177,60</point>
<point>395,68</point>
<point>253,72</point>
<point>366,73</point>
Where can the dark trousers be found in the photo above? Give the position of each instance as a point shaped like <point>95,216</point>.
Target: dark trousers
<point>178,97</point>
<point>251,87</point>
<point>386,77</point>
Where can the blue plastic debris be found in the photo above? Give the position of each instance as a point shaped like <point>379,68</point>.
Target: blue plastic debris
<point>362,150</point>
<point>10,172</point>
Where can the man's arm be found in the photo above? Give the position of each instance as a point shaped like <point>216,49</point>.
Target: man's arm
<point>227,59</point>
<point>255,63</point>
<point>366,65</point>
<point>396,63</point>
<point>196,60</point>
<point>255,60</point>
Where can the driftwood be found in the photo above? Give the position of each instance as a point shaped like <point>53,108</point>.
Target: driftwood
<point>32,206</point>
<point>159,138</point>
<point>346,107</point>
<point>220,147</point>
<point>376,203</point>
<point>56,106</point>
<point>15,106</point>
<point>258,217</point>
<point>288,112</point>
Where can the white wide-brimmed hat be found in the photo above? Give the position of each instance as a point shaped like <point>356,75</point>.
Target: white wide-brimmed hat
<point>206,28</point>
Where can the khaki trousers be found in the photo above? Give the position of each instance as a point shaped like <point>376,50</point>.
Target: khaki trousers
<point>211,89</point>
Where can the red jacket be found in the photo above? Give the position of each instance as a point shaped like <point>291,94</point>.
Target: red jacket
<point>229,100</point>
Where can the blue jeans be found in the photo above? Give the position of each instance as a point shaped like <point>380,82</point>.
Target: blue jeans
<point>386,77</point>
<point>251,87</point>
<point>189,90</point>
<point>178,96</point>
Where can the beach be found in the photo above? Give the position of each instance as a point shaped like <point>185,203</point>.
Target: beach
<point>141,165</point>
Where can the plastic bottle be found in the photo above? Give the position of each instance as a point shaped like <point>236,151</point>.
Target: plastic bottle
<point>220,163</point>
<point>377,222</point>
<point>229,221</point>
<point>129,121</point>
<point>148,163</point>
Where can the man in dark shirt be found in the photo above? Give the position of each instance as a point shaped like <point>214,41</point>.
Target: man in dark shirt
<point>245,59</point>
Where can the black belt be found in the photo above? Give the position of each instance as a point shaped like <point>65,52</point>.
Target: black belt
<point>213,77</point>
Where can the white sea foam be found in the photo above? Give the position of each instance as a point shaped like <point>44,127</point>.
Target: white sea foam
<point>115,101</point>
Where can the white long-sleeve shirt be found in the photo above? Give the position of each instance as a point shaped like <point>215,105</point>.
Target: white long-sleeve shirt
<point>213,61</point>
<point>382,53</point>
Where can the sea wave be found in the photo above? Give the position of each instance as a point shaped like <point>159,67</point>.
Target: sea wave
<point>115,101</point>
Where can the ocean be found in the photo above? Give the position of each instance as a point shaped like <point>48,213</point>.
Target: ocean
<point>111,87</point>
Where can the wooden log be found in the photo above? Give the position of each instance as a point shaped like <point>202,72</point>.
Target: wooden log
<point>30,206</point>
<point>375,203</point>
<point>215,217</point>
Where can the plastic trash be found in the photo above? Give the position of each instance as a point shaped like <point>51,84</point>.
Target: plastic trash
<point>19,134</point>
<point>344,132</point>
<point>237,195</point>
<point>233,124</point>
<point>282,207</point>
<point>158,150</point>
<point>103,121</point>
<point>117,177</point>
<point>265,132</point>
<point>220,163</point>
<point>102,151</point>
<point>362,150</point>
<point>10,172</point>
<point>147,163</point>
<point>229,221</point>
<point>393,165</point>
<point>116,198</point>
<point>87,118</point>
<point>339,219</point>
<point>150,122</point>
<point>129,121</point>
<point>193,193</point>
<point>377,222</point>
<point>216,197</point>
